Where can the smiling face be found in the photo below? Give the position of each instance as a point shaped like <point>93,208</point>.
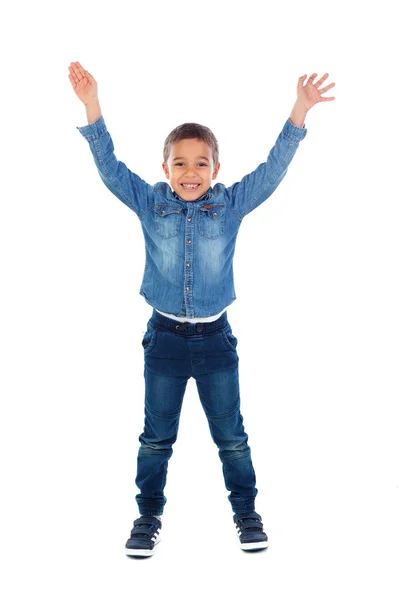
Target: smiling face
<point>190,168</point>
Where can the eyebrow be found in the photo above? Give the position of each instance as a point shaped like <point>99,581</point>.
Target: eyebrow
<point>182,158</point>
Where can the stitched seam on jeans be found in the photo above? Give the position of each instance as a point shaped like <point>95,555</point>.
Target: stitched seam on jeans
<point>241,454</point>
<point>165,416</point>
<point>154,451</point>
<point>224,416</point>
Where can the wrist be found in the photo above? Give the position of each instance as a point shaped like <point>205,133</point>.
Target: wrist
<point>93,110</point>
<point>298,114</point>
<point>93,100</point>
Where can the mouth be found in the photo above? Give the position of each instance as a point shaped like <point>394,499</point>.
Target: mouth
<point>190,187</point>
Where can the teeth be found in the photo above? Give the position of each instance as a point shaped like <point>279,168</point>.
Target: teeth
<point>190,186</point>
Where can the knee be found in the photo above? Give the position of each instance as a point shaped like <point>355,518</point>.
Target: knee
<point>156,444</point>
<point>232,448</point>
<point>235,445</point>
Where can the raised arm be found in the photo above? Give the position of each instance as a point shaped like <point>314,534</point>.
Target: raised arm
<point>256,187</point>
<point>123,183</point>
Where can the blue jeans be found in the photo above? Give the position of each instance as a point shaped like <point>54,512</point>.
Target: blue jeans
<point>174,352</point>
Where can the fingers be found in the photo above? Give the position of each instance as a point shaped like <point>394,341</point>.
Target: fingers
<point>313,77</point>
<point>77,71</point>
<point>81,71</point>
<point>321,80</point>
<point>324,89</point>
<point>310,80</point>
<point>72,76</point>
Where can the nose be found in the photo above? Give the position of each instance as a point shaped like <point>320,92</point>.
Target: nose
<point>190,170</point>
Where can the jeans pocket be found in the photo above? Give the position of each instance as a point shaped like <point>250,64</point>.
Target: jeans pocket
<point>149,338</point>
<point>229,339</point>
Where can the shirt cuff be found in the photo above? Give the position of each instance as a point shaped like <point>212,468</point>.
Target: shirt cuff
<point>94,130</point>
<point>294,133</point>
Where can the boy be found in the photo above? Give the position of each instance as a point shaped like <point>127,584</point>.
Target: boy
<point>190,231</point>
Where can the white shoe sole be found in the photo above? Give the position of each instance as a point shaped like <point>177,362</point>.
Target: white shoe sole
<point>141,551</point>
<point>251,545</point>
<point>254,545</point>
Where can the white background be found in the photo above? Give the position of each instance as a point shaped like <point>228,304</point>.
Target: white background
<point>316,312</point>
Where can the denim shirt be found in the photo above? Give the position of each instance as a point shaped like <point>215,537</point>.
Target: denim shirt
<point>189,245</point>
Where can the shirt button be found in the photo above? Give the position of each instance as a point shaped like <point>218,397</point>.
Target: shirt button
<point>187,288</point>
<point>188,218</point>
<point>187,264</point>
<point>188,241</point>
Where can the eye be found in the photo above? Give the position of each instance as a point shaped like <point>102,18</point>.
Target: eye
<point>202,164</point>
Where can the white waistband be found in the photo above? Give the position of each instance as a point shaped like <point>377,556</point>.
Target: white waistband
<point>196,320</point>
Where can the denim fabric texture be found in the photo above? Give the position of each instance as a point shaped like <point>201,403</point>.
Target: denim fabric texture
<point>189,273</point>
<point>190,245</point>
<point>174,352</point>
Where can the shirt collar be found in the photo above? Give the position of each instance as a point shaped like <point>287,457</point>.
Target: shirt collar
<point>204,197</point>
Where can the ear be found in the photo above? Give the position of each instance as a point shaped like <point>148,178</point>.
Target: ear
<point>216,171</point>
<point>166,170</point>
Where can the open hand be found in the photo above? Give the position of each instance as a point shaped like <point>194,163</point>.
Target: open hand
<point>83,83</point>
<point>310,94</point>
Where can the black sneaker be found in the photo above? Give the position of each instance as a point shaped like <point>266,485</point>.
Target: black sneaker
<point>143,537</point>
<point>250,531</point>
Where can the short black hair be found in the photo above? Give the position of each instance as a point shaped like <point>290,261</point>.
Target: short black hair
<point>192,131</point>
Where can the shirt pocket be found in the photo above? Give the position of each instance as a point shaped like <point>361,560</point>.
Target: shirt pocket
<point>168,220</point>
<point>211,220</point>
